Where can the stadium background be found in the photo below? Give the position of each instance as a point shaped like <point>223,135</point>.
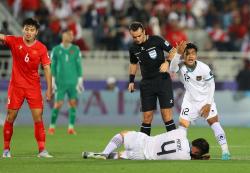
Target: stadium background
<point>220,28</point>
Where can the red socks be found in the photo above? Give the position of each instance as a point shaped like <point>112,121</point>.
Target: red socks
<point>40,135</point>
<point>7,134</point>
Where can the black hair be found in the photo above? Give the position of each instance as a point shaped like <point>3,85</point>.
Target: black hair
<point>31,22</point>
<point>191,46</point>
<point>203,146</point>
<point>65,30</point>
<point>134,26</point>
<point>5,24</point>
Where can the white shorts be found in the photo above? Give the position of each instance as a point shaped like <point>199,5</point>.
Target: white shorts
<point>190,111</point>
<point>134,143</point>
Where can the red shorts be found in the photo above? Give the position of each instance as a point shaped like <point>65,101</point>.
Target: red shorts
<point>16,96</point>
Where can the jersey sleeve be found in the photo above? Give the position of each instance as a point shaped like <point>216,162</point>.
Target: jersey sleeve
<point>45,59</point>
<point>9,40</point>
<point>133,59</point>
<point>53,61</point>
<point>79,63</point>
<point>208,74</point>
<point>164,44</point>
<point>175,63</point>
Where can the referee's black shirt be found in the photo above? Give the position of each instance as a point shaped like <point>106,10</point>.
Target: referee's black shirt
<point>150,55</point>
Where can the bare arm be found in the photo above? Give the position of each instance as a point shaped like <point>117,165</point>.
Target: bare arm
<point>133,69</point>
<point>132,72</point>
<point>48,78</point>
<point>2,37</point>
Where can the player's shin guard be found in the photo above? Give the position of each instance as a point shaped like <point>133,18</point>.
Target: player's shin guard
<point>54,116</point>
<point>40,135</point>
<point>72,117</point>
<point>113,144</point>
<point>7,134</point>
<point>220,136</point>
<point>170,125</point>
<point>146,128</point>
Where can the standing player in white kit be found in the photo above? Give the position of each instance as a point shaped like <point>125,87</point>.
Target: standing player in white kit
<point>172,145</point>
<point>198,100</point>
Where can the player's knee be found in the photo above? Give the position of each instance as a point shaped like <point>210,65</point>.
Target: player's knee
<point>72,103</point>
<point>58,105</point>
<point>11,115</point>
<point>212,120</point>
<point>10,119</point>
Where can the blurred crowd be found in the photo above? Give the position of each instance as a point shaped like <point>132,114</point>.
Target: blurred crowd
<point>225,23</point>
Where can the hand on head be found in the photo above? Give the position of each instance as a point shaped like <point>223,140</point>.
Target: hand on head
<point>181,47</point>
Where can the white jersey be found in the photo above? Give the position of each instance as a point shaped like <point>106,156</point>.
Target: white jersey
<point>196,82</point>
<point>171,145</point>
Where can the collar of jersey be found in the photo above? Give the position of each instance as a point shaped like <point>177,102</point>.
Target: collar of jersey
<point>65,47</point>
<point>191,69</point>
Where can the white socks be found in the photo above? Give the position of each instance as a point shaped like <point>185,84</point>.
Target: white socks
<point>220,136</point>
<point>113,144</point>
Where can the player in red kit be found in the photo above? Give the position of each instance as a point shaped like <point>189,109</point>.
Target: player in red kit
<point>28,53</point>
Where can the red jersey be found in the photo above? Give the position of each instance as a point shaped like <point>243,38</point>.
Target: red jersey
<point>26,61</point>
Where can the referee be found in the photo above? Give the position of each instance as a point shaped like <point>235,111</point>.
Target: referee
<point>148,51</point>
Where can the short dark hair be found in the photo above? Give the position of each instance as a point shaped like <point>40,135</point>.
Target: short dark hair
<point>31,22</point>
<point>203,146</point>
<point>191,46</point>
<point>65,30</point>
<point>134,26</point>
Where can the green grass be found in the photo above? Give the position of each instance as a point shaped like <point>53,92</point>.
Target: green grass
<point>67,153</point>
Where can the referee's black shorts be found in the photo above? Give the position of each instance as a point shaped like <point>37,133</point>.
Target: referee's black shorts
<point>151,89</point>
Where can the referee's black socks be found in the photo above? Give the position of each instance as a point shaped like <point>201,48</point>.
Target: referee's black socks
<point>170,125</point>
<point>146,128</point>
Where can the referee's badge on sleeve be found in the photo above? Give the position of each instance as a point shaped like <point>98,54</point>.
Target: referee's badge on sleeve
<point>152,54</point>
<point>166,43</point>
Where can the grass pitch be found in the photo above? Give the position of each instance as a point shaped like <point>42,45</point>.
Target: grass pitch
<point>67,149</point>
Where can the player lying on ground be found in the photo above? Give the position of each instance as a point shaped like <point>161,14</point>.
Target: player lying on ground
<point>172,145</point>
<point>198,100</point>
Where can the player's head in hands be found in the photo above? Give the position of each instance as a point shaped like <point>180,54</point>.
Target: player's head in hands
<point>190,54</point>
<point>200,149</point>
<point>137,32</point>
<point>30,29</point>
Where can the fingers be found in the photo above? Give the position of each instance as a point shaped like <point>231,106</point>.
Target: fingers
<point>48,97</point>
<point>205,112</point>
<point>181,47</point>
<point>131,87</point>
